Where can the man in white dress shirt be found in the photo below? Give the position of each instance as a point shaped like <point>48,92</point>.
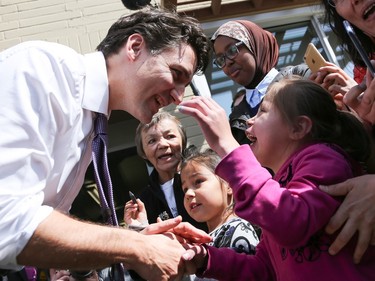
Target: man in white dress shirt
<point>49,97</point>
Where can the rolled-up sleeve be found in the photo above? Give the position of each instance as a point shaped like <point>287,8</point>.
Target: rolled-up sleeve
<point>39,111</point>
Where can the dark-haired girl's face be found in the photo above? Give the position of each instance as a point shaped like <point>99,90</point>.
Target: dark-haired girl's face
<point>359,13</point>
<point>270,136</point>
<point>206,197</point>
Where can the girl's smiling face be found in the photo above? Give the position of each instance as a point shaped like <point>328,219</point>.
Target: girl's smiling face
<point>270,136</point>
<point>206,196</point>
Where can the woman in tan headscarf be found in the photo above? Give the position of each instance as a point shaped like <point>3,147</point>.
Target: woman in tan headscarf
<point>248,55</point>
<point>257,55</point>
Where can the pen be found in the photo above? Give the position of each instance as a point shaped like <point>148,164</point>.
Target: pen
<point>132,197</point>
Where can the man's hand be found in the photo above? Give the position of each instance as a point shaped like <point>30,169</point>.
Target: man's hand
<point>356,213</point>
<point>159,258</point>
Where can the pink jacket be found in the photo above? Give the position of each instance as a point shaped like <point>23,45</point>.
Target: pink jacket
<point>292,213</point>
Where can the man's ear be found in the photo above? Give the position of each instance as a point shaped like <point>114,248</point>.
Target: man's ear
<point>134,45</point>
<point>301,127</point>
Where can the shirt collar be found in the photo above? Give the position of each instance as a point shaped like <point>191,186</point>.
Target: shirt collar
<point>255,96</point>
<point>96,94</point>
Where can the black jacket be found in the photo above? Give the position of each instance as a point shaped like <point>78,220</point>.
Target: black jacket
<point>153,198</point>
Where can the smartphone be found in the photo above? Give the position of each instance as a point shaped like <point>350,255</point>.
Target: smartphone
<point>313,58</point>
<point>349,29</point>
<point>132,197</point>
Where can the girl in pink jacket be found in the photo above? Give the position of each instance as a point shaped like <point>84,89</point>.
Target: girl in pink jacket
<point>307,142</point>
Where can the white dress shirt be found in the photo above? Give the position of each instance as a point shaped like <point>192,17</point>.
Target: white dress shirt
<point>255,96</point>
<point>48,95</point>
<point>167,189</point>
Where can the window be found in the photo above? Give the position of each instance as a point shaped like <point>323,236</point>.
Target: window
<point>293,38</point>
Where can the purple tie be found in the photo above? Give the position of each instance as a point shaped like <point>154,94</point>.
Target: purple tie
<point>103,178</point>
<point>30,273</point>
<point>101,171</point>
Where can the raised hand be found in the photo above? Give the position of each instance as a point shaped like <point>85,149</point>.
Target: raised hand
<point>213,121</point>
<point>335,80</point>
<point>135,213</point>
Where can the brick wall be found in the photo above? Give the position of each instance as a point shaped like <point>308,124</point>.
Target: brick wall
<point>79,24</point>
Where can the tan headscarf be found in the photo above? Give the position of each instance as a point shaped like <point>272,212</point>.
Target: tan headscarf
<point>261,43</point>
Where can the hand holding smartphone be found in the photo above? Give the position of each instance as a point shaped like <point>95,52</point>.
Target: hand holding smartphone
<point>313,58</point>
<point>349,29</point>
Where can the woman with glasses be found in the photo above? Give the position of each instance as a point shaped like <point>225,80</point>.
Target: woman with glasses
<point>248,55</point>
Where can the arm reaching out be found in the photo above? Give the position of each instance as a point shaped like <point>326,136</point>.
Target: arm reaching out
<point>154,257</point>
<point>184,231</point>
<point>356,213</point>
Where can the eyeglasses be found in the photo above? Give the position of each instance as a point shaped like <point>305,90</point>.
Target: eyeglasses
<point>231,54</point>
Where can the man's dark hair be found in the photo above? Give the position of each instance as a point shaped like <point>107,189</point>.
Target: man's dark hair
<point>135,4</point>
<point>161,30</point>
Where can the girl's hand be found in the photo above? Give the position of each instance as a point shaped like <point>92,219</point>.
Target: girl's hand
<point>59,275</point>
<point>184,232</point>
<point>213,121</point>
<point>195,258</point>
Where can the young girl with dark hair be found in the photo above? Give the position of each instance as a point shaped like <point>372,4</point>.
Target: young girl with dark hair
<point>307,142</point>
<point>209,199</point>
